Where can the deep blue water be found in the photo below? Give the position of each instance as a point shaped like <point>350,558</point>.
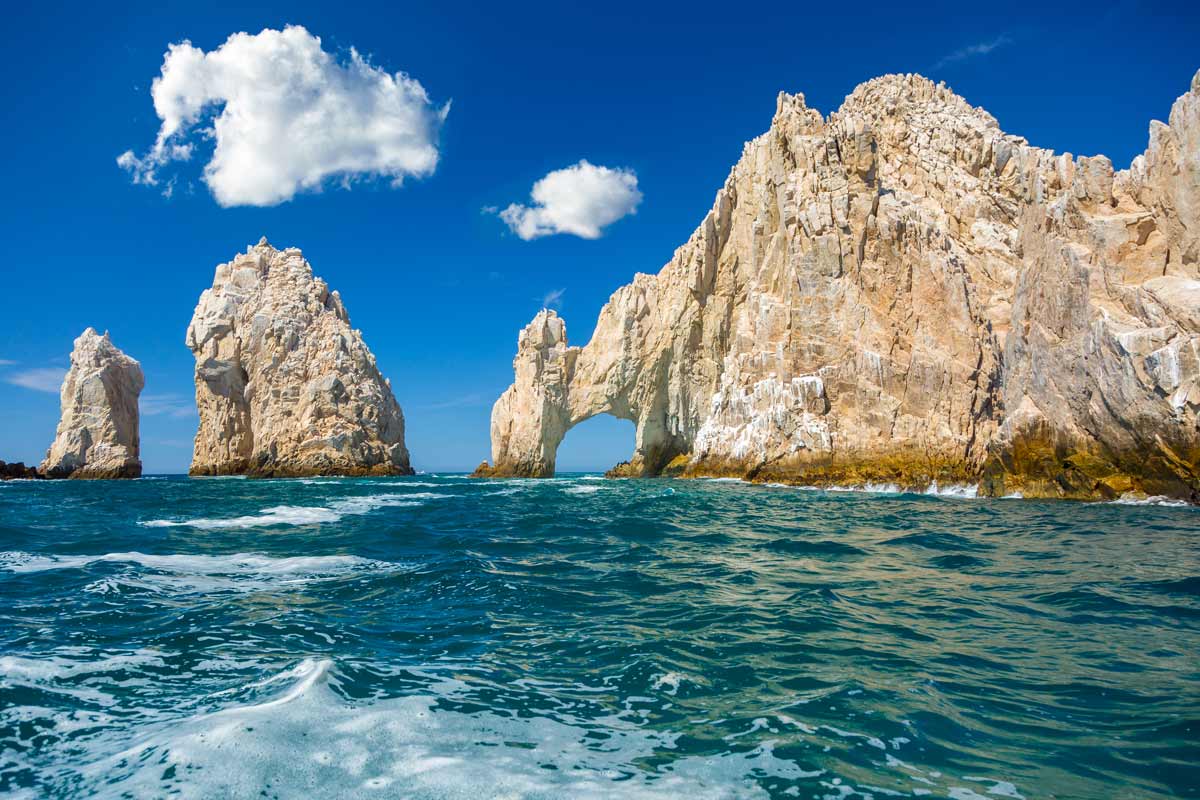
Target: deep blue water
<point>444,637</point>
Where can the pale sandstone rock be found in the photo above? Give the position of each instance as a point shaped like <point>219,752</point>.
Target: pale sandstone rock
<point>97,434</point>
<point>901,292</point>
<point>284,385</point>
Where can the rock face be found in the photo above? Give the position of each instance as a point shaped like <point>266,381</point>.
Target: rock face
<point>284,386</point>
<point>903,293</point>
<point>98,432</point>
<point>18,471</point>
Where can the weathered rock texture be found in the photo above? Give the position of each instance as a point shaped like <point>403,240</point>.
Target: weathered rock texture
<point>284,386</point>
<point>903,293</point>
<point>98,432</point>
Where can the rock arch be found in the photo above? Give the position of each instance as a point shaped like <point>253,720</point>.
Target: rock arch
<point>557,386</point>
<point>900,292</point>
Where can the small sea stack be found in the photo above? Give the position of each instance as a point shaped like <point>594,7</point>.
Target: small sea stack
<point>284,386</point>
<point>97,433</point>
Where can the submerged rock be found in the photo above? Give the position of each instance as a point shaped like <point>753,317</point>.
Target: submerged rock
<point>284,385</point>
<point>98,432</point>
<point>902,293</point>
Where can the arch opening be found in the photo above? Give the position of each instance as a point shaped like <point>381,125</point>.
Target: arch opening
<point>596,444</point>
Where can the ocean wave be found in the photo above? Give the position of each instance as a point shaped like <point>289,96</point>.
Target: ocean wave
<point>441,484</point>
<point>300,515</point>
<point>581,489</point>
<point>411,746</point>
<point>1154,500</point>
<point>50,668</point>
<point>180,572</point>
<point>953,489</point>
<point>868,488</point>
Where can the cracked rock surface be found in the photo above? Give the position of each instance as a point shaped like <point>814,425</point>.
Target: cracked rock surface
<point>903,293</point>
<point>284,385</point>
<point>97,434</point>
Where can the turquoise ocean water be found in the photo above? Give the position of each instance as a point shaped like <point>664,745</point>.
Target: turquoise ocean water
<point>440,637</point>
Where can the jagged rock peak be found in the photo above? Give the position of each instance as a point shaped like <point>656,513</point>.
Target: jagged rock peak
<point>903,293</point>
<point>97,433</point>
<point>284,385</point>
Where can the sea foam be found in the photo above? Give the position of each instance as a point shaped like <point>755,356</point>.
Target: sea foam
<point>300,515</point>
<point>408,746</point>
<point>181,573</point>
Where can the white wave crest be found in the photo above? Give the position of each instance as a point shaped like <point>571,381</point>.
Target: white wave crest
<point>581,489</point>
<point>187,573</point>
<point>307,736</point>
<point>1129,499</point>
<point>300,515</point>
<point>869,488</point>
<point>55,667</point>
<point>953,489</point>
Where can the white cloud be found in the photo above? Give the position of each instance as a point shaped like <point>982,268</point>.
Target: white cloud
<point>5,362</point>
<point>970,51</point>
<point>41,379</point>
<point>171,405</point>
<point>581,199</point>
<point>553,298</point>
<point>288,116</point>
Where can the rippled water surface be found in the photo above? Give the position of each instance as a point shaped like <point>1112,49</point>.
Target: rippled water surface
<point>441,637</point>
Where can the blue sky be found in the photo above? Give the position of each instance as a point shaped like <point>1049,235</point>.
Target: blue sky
<point>439,287</point>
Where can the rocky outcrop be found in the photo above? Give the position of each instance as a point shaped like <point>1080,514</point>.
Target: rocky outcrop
<point>284,385</point>
<point>98,432</point>
<point>903,293</point>
<point>17,471</point>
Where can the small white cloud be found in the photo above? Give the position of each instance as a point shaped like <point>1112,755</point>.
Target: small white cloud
<point>171,405</point>
<point>40,379</point>
<point>288,117</point>
<point>973,50</point>
<point>4,362</point>
<point>553,298</point>
<point>581,200</point>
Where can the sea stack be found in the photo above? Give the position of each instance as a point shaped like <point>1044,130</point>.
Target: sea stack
<point>97,434</point>
<point>902,293</point>
<point>284,385</point>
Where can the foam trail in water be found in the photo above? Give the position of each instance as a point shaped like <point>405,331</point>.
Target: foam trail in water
<point>408,747</point>
<point>55,667</point>
<point>300,515</point>
<point>178,572</point>
<point>1156,500</point>
<point>953,490</point>
<point>236,563</point>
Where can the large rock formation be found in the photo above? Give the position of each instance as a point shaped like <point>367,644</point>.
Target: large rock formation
<point>284,386</point>
<point>903,293</point>
<point>98,432</point>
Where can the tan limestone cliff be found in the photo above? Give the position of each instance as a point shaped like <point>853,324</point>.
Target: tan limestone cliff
<point>97,433</point>
<point>903,293</point>
<point>284,385</point>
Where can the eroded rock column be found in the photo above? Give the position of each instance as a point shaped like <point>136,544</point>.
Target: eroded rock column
<point>97,433</point>
<point>284,385</point>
